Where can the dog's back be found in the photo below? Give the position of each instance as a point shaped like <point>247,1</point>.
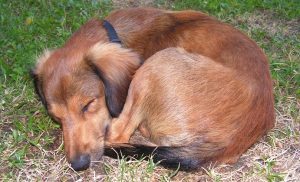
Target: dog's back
<point>147,31</point>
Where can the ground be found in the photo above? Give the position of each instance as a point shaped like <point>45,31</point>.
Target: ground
<point>31,147</point>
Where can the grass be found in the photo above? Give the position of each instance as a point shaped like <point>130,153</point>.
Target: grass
<point>232,8</point>
<point>31,146</point>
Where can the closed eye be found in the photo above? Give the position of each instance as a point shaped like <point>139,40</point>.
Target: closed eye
<point>86,107</point>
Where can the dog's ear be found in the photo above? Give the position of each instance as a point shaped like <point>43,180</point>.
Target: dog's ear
<point>35,74</point>
<point>115,66</point>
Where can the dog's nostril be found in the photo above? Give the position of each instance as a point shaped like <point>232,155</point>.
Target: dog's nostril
<point>81,162</point>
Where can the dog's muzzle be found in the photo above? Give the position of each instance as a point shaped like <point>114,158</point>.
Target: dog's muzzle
<point>81,162</point>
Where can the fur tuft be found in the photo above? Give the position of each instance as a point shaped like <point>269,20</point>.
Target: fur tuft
<point>41,60</point>
<point>35,73</point>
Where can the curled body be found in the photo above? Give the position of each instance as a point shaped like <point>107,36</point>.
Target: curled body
<point>84,84</point>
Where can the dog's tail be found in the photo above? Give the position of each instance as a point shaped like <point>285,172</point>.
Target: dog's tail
<point>169,157</point>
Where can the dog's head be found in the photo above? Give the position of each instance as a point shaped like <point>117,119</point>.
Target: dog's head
<point>83,90</point>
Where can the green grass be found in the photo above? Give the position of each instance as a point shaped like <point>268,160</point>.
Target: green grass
<point>28,27</point>
<point>228,8</point>
<point>128,169</point>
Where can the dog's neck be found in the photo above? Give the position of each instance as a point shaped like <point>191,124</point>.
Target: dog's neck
<point>111,32</point>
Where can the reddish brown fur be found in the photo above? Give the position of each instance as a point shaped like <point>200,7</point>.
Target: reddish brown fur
<point>180,99</point>
<point>85,82</point>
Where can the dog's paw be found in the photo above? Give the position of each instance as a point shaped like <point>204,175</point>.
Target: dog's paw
<point>115,136</point>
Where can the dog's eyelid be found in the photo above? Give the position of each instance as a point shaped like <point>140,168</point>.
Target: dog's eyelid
<point>86,106</point>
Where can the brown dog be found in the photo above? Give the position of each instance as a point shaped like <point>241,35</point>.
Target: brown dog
<point>85,83</point>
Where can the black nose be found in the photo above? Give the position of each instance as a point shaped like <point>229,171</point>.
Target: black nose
<point>81,162</point>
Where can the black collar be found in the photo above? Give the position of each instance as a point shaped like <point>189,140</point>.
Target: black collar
<point>111,32</point>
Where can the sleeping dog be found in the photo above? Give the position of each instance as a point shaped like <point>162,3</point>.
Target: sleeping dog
<point>84,85</point>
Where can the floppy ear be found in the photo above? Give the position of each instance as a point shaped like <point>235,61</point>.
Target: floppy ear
<point>35,74</point>
<point>115,66</point>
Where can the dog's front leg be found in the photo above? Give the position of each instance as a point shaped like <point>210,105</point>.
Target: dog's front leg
<point>120,131</point>
<point>123,127</point>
